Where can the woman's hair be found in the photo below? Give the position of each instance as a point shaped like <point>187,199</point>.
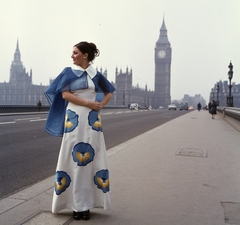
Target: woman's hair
<point>89,48</point>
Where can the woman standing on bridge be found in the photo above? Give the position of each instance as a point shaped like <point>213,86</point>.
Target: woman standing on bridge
<point>76,97</point>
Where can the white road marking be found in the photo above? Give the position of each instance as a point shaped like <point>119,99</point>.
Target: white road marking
<point>8,122</point>
<point>27,119</point>
<point>107,113</point>
<point>38,120</point>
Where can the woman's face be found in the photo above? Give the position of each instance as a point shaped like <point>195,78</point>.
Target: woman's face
<point>78,57</point>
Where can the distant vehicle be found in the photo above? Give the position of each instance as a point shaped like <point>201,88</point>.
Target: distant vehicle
<point>161,107</point>
<point>149,107</point>
<point>172,106</point>
<point>183,106</point>
<point>134,106</point>
<point>191,108</point>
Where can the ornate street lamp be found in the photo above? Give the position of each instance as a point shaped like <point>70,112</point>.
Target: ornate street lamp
<point>230,75</point>
<point>217,94</point>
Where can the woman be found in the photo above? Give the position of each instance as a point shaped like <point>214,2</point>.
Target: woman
<point>213,109</point>
<point>76,97</point>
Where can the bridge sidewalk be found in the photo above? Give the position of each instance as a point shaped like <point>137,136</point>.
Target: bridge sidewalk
<point>185,172</point>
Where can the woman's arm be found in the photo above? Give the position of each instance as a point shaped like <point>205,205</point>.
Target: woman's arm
<point>106,99</point>
<point>67,95</point>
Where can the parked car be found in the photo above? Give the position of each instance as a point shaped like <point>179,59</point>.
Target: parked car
<point>161,107</point>
<point>172,106</point>
<point>183,106</point>
<point>134,106</point>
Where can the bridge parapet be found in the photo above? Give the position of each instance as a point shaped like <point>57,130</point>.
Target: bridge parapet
<point>231,115</point>
<point>4,109</point>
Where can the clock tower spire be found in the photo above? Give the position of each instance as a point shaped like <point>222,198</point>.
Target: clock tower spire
<point>163,57</point>
<point>163,38</point>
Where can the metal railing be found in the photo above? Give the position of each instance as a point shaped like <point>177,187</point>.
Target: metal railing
<point>22,108</point>
<point>231,115</point>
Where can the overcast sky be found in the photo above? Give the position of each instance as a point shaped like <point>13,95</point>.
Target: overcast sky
<point>204,36</point>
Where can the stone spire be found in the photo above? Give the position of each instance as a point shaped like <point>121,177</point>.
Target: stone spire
<point>163,38</point>
<point>17,55</point>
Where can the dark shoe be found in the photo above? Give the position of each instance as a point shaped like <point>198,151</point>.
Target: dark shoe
<point>77,215</point>
<point>85,215</point>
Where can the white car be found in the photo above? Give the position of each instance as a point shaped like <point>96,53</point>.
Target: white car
<point>134,106</point>
<point>172,106</point>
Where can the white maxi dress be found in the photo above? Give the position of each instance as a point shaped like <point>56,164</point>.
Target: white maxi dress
<point>82,176</point>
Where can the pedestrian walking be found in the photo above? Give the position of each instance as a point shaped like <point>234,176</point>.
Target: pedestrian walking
<point>76,97</point>
<point>209,107</point>
<point>213,109</point>
<point>199,106</point>
<point>39,105</point>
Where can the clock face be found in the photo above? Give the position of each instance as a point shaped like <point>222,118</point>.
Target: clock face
<point>161,54</point>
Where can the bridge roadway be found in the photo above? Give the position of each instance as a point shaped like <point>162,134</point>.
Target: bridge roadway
<point>29,155</point>
<point>183,172</point>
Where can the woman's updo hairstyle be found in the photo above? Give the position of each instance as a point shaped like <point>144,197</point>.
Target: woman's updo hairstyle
<point>89,48</point>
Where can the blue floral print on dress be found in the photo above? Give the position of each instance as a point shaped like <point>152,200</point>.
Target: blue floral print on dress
<point>62,182</point>
<point>83,153</point>
<point>71,121</point>
<point>94,120</point>
<point>101,179</point>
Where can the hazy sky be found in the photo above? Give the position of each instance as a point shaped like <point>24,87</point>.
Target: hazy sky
<point>204,36</point>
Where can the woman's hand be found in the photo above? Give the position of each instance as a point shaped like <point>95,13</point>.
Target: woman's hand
<point>94,105</point>
<point>99,105</point>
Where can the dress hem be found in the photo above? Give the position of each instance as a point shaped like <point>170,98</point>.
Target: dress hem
<point>94,207</point>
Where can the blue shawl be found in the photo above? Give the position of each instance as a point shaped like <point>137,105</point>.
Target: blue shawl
<point>70,79</point>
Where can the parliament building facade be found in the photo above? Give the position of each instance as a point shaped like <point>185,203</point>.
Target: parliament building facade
<point>21,91</point>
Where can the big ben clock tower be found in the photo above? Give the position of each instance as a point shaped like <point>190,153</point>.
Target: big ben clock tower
<point>163,57</point>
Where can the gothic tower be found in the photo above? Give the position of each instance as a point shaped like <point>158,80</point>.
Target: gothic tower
<point>20,81</point>
<point>123,87</point>
<point>18,76</point>
<point>163,57</point>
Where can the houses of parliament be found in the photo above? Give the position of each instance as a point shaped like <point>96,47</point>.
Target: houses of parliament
<point>21,91</point>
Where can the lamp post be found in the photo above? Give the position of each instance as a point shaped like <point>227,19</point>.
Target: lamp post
<point>230,75</point>
<point>217,94</point>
